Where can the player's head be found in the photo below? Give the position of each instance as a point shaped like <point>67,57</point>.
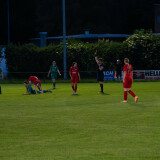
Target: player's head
<point>25,83</point>
<point>126,61</point>
<point>54,63</point>
<point>74,64</point>
<point>118,61</point>
<point>100,60</point>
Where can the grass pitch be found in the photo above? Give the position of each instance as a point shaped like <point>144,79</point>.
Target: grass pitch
<point>88,126</point>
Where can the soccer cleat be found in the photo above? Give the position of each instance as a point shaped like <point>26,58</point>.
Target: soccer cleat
<point>124,101</point>
<point>101,92</point>
<point>73,93</point>
<point>136,99</point>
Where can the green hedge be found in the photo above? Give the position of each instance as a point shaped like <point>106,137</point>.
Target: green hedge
<point>143,50</point>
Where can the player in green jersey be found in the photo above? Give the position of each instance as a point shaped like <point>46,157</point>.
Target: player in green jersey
<point>30,90</point>
<point>54,70</point>
<point>1,78</point>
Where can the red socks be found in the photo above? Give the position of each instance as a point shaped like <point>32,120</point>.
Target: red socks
<point>125,95</point>
<point>75,89</point>
<point>133,95</point>
<point>130,92</point>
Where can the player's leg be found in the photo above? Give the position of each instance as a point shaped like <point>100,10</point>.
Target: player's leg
<point>45,91</point>
<point>117,76</point>
<point>120,76</point>
<point>54,83</point>
<point>40,87</point>
<point>133,95</point>
<point>75,88</point>
<point>101,86</point>
<point>76,82</point>
<point>72,84</point>
<point>125,95</point>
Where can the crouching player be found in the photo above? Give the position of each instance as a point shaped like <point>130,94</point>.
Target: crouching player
<point>29,89</point>
<point>1,78</point>
<point>74,74</point>
<point>127,80</point>
<point>36,82</point>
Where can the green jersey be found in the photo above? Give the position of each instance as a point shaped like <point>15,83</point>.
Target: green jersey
<point>31,90</point>
<point>54,70</point>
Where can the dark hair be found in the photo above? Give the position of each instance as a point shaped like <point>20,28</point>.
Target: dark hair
<point>73,63</point>
<point>100,59</point>
<point>25,82</point>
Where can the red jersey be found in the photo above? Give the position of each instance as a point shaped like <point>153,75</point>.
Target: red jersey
<point>34,79</point>
<point>128,69</point>
<point>74,71</point>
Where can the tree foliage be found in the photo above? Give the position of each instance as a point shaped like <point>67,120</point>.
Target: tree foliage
<point>28,18</point>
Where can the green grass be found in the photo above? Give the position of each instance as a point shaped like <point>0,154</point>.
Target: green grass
<point>89,126</point>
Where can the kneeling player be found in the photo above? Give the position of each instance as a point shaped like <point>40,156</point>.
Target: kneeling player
<point>127,80</point>
<point>29,89</point>
<point>36,82</point>
<point>74,74</point>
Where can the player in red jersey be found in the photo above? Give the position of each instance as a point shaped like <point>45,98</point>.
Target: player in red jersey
<point>127,80</point>
<point>74,74</point>
<point>36,82</point>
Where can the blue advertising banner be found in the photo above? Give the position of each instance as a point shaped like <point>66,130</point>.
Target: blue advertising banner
<point>109,75</point>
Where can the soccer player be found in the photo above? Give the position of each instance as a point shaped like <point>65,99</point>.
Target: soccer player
<point>29,89</point>
<point>74,74</point>
<point>1,78</point>
<point>127,80</point>
<point>54,70</point>
<point>36,82</point>
<point>100,75</point>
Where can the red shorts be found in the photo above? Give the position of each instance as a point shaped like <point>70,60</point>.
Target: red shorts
<point>37,82</point>
<point>128,82</point>
<point>74,80</point>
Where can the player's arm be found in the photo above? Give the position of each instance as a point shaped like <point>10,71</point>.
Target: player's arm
<point>35,89</point>
<point>41,89</point>
<point>59,72</point>
<point>27,92</point>
<point>96,58</point>
<point>132,75</point>
<point>124,75</point>
<point>70,74</point>
<point>49,72</point>
<point>79,76</point>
